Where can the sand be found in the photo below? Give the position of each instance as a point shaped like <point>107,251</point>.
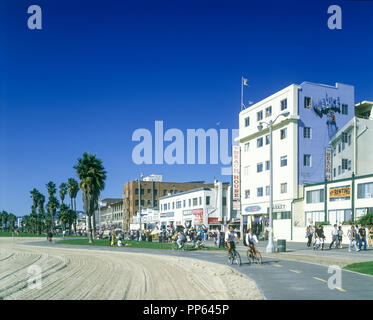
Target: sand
<point>79,274</point>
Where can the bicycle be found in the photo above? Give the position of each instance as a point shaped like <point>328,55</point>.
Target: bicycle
<point>176,247</point>
<point>235,257</point>
<point>254,259</point>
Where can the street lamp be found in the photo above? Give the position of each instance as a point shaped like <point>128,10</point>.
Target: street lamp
<point>270,247</point>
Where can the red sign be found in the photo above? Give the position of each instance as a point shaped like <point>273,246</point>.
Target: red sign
<point>236,172</point>
<point>198,216</point>
<point>214,221</point>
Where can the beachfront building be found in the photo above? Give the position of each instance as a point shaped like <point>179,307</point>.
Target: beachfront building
<point>198,207</point>
<point>111,213</point>
<point>300,143</point>
<point>149,219</point>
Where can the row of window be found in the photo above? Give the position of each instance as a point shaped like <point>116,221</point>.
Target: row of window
<point>148,203</point>
<point>346,139</point>
<point>267,112</point>
<point>192,202</point>
<point>155,191</point>
<point>345,165</point>
<point>259,190</point>
<point>364,191</point>
<point>308,105</point>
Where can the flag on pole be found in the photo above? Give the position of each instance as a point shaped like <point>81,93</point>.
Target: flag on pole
<point>245,82</point>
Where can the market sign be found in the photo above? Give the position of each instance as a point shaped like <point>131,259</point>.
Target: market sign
<point>236,172</point>
<point>253,209</point>
<point>340,192</point>
<point>328,164</point>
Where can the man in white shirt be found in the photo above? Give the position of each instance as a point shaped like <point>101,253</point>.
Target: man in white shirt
<point>334,237</point>
<point>230,237</point>
<point>251,240</point>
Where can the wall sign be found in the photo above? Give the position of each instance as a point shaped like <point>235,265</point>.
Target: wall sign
<point>328,164</point>
<point>340,193</point>
<point>236,172</point>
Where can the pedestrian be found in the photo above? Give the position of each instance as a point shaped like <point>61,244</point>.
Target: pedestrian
<point>49,236</point>
<point>138,235</point>
<point>218,237</point>
<point>370,236</point>
<point>340,237</point>
<point>334,237</point>
<point>357,234</point>
<point>309,236</point>
<point>352,235</point>
<point>362,237</point>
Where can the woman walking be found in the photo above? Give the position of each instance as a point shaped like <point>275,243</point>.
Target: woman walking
<point>309,235</point>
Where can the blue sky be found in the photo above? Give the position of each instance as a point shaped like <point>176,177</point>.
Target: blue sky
<point>97,71</point>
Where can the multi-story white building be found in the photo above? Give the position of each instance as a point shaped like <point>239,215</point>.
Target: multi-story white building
<point>111,212</point>
<point>198,207</point>
<point>300,140</point>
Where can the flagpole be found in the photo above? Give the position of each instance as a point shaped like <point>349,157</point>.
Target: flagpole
<point>241,93</point>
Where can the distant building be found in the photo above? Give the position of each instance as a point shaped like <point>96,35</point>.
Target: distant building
<point>19,222</point>
<point>151,190</point>
<point>111,212</point>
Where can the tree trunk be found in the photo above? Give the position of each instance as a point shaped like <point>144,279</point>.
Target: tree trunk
<point>90,240</point>
<point>76,216</point>
<point>94,223</point>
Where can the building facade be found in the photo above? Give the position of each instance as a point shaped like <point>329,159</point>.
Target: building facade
<point>111,212</point>
<point>208,207</point>
<point>300,142</point>
<point>151,189</point>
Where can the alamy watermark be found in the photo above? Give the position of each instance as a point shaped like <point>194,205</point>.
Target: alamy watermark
<point>212,146</point>
<point>35,279</point>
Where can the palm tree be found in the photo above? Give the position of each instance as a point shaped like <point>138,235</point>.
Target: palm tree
<point>52,204</point>
<point>63,191</point>
<point>12,221</point>
<point>92,181</point>
<point>35,194</point>
<point>73,189</point>
<point>41,213</point>
<point>63,215</point>
<point>4,219</point>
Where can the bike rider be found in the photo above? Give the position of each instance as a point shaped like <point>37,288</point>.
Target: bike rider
<point>230,236</point>
<point>251,240</point>
<point>181,239</point>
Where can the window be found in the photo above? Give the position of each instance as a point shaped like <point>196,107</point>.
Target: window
<point>344,109</point>
<point>268,111</point>
<point>136,202</point>
<point>334,151</point>
<point>267,190</point>
<point>284,161</point>
<point>136,191</point>
<point>155,203</point>
<point>142,202</point>
<point>349,165</point>
<point>339,147</point>
<point>307,132</point>
<point>247,194</point>
<point>247,121</point>
<point>224,201</point>
<point>283,133</point>
<point>349,139</point>
<point>267,165</point>
<point>259,142</point>
<point>344,137</point>
<point>315,196</point>
<point>259,115</point>
<point>155,191</point>
<point>184,203</point>
<point>246,146</point>
<point>189,202</point>
<point>307,160</point>
<point>246,171</point>
<point>165,192</point>
<point>284,187</point>
<point>267,139</point>
<point>178,204</point>
<point>149,191</point>
<point>173,205</point>
<point>195,202</point>
<point>142,191</point>
<point>339,170</point>
<point>149,203</point>
<point>259,167</point>
<point>344,164</point>
<point>307,102</point>
<point>200,201</point>
<point>284,104</point>
<point>365,190</point>
<point>260,192</point>
<point>207,200</point>
<point>334,172</point>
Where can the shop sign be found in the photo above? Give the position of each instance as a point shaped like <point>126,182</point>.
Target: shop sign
<point>236,172</point>
<point>340,192</point>
<point>253,208</point>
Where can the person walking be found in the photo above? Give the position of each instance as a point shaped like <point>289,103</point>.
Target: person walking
<point>218,238</point>
<point>138,235</point>
<point>352,235</point>
<point>334,237</point>
<point>362,237</point>
<point>309,236</point>
<point>370,236</point>
<point>357,234</point>
<point>340,237</point>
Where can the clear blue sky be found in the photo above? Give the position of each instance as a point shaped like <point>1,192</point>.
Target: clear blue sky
<point>98,70</point>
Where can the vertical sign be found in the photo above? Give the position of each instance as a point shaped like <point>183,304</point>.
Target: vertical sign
<point>236,172</point>
<point>328,164</point>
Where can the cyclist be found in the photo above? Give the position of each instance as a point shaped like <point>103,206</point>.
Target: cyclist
<point>230,236</point>
<point>251,240</point>
<point>181,239</point>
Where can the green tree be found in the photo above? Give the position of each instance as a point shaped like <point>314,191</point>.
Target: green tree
<point>92,181</point>
<point>63,191</point>
<point>4,219</point>
<point>64,215</point>
<point>52,205</point>
<point>41,213</point>
<point>366,220</point>
<point>73,189</point>
<point>35,194</point>
<point>12,221</point>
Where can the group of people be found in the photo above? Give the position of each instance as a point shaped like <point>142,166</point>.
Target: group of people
<point>357,236</point>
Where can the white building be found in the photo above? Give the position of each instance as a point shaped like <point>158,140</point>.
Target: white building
<point>154,177</point>
<point>300,140</point>
<point>197,207</point>
<point>111,213</point>
<point>149,219</point>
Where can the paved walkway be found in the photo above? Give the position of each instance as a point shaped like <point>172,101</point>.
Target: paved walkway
<point>278,278</point>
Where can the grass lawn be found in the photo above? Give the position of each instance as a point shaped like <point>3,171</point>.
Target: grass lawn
<point>133,244</point>
<point>362,267</point>
<point>27,234</point>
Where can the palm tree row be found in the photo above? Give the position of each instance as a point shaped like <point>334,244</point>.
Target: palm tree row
<point>92,176</point>
<point>7,221</point>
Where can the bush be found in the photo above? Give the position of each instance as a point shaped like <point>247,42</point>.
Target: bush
<point>366,220</point>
